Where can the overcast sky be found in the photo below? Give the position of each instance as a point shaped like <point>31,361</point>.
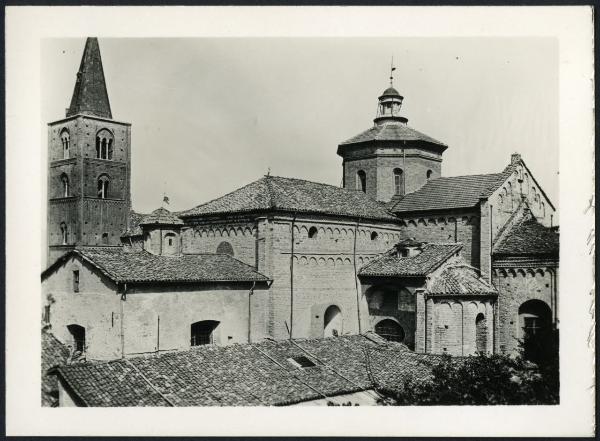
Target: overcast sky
<point>211,115</point>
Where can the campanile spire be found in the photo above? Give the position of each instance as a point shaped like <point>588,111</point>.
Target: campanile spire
<point>90,96</point>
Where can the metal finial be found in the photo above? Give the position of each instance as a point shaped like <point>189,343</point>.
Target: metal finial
<point>392,69</point>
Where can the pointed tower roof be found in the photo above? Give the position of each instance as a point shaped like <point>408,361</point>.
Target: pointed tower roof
<point>90,96</point>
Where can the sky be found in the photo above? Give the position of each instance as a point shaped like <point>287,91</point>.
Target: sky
<point>210,115</point>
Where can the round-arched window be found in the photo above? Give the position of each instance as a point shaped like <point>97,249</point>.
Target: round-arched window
<point>374,235</point>
<point>332,324</point>
<point>104,144</point>
<point>398,181</point>
<point>390,330</point>
<point>65,139</point>
<point>225,248</point>
<point>312,233</point>
<point>429,173</point>
<point>361,181</point>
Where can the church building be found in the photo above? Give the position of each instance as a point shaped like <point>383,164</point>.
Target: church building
<point>454,265</point>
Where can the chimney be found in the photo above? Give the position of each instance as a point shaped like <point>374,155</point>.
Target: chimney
<point>515,158</point>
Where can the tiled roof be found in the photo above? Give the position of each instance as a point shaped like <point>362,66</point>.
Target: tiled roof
<point>54,353</point>
<point>460,280</point>
<point>272,193</point>
<point>528,238</point>
<point>390,91</point>
<point>431,257</point>
<point>452,192</point>
<point>247,375</point>
<point>143,267</point>
<point>161,216</point>
<point>391,131</point>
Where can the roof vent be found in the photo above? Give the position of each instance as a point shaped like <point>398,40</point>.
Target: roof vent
<point>301,362</point>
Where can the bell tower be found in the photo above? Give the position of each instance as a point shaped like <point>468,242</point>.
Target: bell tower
<point>390,159</point>
<point>89,166</point>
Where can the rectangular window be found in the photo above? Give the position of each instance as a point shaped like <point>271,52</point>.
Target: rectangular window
<point>76,281</point>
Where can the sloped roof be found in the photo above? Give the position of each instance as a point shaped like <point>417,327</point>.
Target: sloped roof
<point>431,257</point>
<point>90,96</point>
<point>161,216</point>
<point>528,238</point>
<point>144,267</point>
<point>461,280</point>
<point>273,193</point>
<point>54,353</point>
<point>391,131</point>
<point>390,91</point>
<point>247,375</point>
<point>134,224</point>
<point>452,192</point>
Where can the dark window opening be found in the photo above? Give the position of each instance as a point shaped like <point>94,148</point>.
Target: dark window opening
<point>361,181</point>
<point>429,173</point>
<point>202,332</point>
<point>77,337</point>
<point>104,238</point>
<point>302,361</point>
<point>103,182</point>
<point>390,330</point>
<point>75,280</point>
<point>312,233</point>
<point>64,233</point>
<point>225,248</point>
<point>65,185</point>
<point>374,235</point>
<point>398,182</point>
<point>480,333</point>
<point>46,314</point>
<point>535,318</point>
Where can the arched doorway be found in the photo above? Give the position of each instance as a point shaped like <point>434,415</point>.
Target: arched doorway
<point>480,333</point>
<point>77,337</point>
<point>390,330</point>
<point>332,325</point>
<point>535,328</point>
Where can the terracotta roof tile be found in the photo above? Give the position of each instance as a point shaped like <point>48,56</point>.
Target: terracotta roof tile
<point>134,224</point>
<point>272,193</point>
<point>460,280</point>
<point>529,238</point>
<point>391,131</point>
<point>161,216</point>
<point>54,353</point>
<point>246,375</point>
<point>431,257</point>
<point>143,267</point>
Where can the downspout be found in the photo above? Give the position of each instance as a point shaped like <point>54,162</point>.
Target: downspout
<point>123,297</point>
<point>356,277</point>
<point>462,329</point>
<point>425,325</point>
<point>158,334</point>
<point>292,278</point>
<point>491,235</point>
<point>250,293</point>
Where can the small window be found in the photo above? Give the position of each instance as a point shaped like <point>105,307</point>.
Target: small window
<point>75,280</point>
<point>170,241</point>
<point>46,317</point>
<point>104,238</point>
<point>398,181</point>
<point>77,337</point>
<point>429,173</point>
<point>312,233</point>
<point>66,143</point>
<point>361,181</point>
<point>64,179</point>
<point>104,144</point>
<point>225,248</point>
<point>64,233</point>
<point>374,235</point>
<point>202,332</point>
<point>103,182</point>
<point>302,362</point>
<point>390,330</point>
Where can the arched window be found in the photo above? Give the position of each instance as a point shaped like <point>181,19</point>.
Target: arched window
<point>374,235</point>
<point>500,200</point>
<point>104,238</point>
<point>312,233</point>
<point>64,233</point>
<point>390,330</point>
<point>429,173</point>
<point>64,179</point>
<point>361,181</point>
<point>543,210</point>
<point>77,337</point>
<point>66,143</point>
<point>103,182</point>
<point>202,332</point>
<point>398,182</point>
<point>225,248</point>
<point>535,323</point>
<point>480,333</point>
<point>381,298</point>
<point>104,144</point>
<point>332,325</point>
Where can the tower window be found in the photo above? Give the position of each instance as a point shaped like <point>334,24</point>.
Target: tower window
<point>66,143</point>
<point>104,144</point>
<point>65,185</point>
<point>64,233</point>
<point>429,173</point>
<point>398,181</point>
<point>361,181</point>
<point>312,233</point>
<point>103,182</point>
